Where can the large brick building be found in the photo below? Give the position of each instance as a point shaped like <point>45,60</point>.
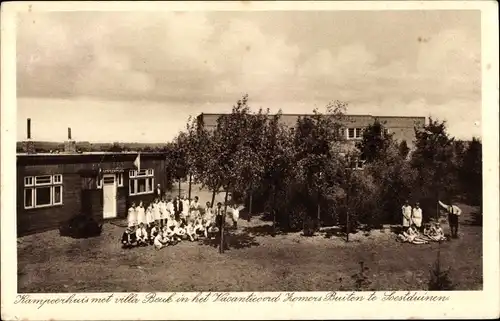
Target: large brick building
<point>402,128</point>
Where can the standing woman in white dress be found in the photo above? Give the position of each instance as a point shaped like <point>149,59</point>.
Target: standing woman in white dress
<point>163,212</point>
<point>141,214</point>
<point>406,210</point>
<point>150,219</point>
<point>132,216</point>
<point>416,216</point>
<point>156,212</point>
<point>185,208</point>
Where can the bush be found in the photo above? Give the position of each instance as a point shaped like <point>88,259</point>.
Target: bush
<point>81,226</point>
<point>309,226</point>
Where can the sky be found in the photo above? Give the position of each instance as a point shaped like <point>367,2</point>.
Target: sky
<point>138,76</point>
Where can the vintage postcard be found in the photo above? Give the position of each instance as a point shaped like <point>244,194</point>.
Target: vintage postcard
<point>249,160</point>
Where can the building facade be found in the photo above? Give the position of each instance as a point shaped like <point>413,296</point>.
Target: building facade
<point>52,188</point>
<point>402,128</point>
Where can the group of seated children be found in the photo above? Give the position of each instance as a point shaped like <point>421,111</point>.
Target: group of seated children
<point>166,222</point>
<point>432,232</point>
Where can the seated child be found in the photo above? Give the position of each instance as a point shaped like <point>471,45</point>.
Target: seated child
<point>179,231</point>
<point>169,233</point>
<point>199,228</point>
<point>427,229</point>
<point>160,240</point>
<point>129,238</point>
<point>436,233</point>
<point>141,235</point>
<point>190,231</point>
<point>153,233</point>
<point>412,236</point>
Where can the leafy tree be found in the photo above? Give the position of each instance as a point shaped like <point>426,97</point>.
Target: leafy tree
<point>433,161</point>
<point>316,149</point>
<point>404,150</point>
<point>375,142</point>
<point>471,175</point>
<point>116,148</point>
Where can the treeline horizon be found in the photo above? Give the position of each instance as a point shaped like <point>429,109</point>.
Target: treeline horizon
<point>85,146</point>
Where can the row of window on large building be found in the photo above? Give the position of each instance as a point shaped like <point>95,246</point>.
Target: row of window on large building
<point>47,190</point>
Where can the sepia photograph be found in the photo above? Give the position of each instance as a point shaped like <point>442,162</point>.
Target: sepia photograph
<point>248,151</point>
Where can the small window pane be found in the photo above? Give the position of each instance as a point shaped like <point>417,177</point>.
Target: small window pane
<point>42,196</point>
<point>150,184</point>
<point>150,172</point>
<point>131,187</point>
<point>141,185</point>
<point>57,194</point>
<point>132,173</point>
<point>57,179</point>
<point>28,197</point>
<point>351,132</point>
<point>109,180</point>
<point>28,181</point>
<point>43,179</point>
<point>358,132</point>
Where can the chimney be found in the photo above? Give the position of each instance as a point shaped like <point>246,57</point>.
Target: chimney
<point>28,145</point>
<point>69,145</point>
<point>28,129</point>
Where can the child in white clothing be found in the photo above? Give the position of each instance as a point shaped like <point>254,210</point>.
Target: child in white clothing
<point>142,235</point>
<point>141,214</point>
<point>132,216</point>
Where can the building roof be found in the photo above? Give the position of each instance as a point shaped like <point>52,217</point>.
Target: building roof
<point>310,114</point>
<point>89,157</point>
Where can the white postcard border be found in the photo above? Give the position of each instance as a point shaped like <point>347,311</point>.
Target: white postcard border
<point>466,304</point>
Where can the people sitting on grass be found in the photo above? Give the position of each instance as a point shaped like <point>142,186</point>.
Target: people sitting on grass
<point>141,235</point>
<point>161,240</point>
<point>159,217</point>
<point>412,236</point>
<point>435,232</point>
<point>190,231</point>
<point>129,238</point>
<point>153,232</point>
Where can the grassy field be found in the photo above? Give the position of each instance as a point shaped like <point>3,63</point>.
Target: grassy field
<point>255,261</point>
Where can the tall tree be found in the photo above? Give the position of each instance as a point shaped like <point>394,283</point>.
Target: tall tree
<point>315,150</point>
<point>375,142</point>
<point>471,172</point>
<point>433,161</point>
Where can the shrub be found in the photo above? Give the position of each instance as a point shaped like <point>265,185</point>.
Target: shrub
<point>81,226</point>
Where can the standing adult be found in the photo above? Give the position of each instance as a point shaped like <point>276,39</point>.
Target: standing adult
<point>416,216</point>
<point>406,210</point>
<point>177,208</point>
<point>158,192</point>
<point>453,213</point>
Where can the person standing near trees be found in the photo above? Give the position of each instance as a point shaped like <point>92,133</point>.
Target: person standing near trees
<point>416,216</point>
<point>406,210</point>
<point>453,214</point>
